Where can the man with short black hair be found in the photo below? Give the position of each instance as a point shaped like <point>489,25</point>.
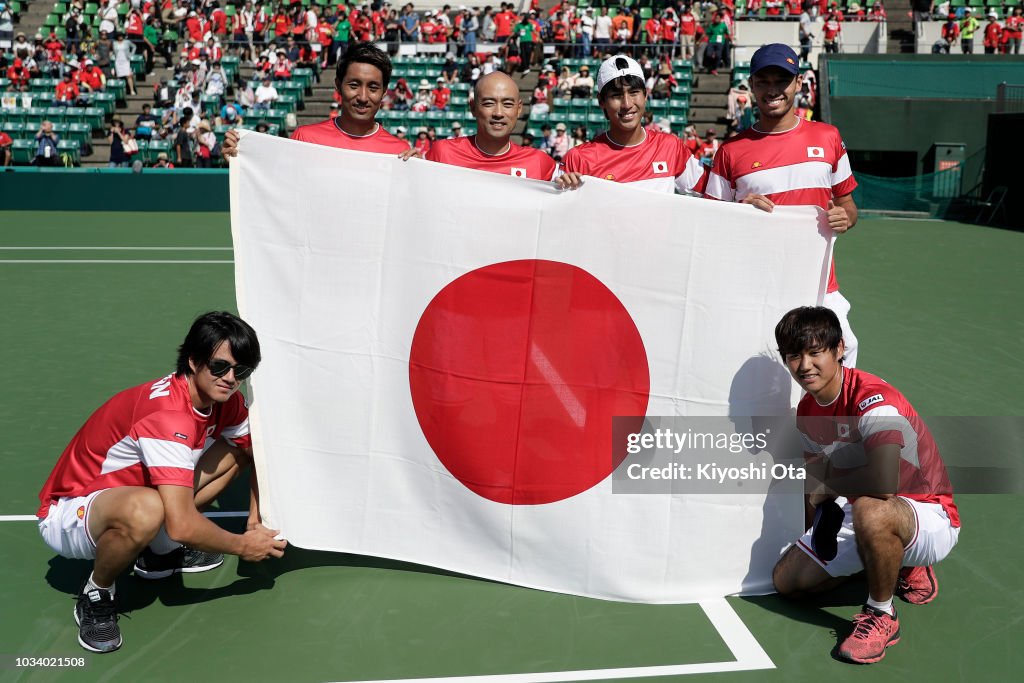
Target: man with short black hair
<point>878,491</point>
<point>627,152</point>
<point>784,159</point>
<point>361,80</point>
<point>129,486</point>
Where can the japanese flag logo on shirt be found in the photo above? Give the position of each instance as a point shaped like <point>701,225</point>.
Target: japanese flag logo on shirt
<point>815,152</point>
<point>659,167</point>
<point>518,172</point>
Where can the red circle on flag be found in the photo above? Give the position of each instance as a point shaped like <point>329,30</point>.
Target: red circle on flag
<point>516,371</point>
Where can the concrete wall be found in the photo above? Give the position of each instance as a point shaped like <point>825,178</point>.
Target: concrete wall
<point>863,37</point>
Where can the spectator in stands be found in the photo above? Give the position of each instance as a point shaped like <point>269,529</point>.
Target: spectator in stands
<point>206,145</point>
<point>91,77</point>
<point>585,34</point>
<point>661,85</point>
<point>46,145</point>
<point>504,21</point>
<point>539,102</point>
<point>410,22</point>
<point>774,9</point>
<point>183,156</point>
<point>230,115</point>
<point>968,25</point>
<point>583,83</point>
<point>18,75</point>
<point>342,35</point>
<point>708,146</point>
<point>266,95</point>
<point>145,123</point>
<point>854,12</point>
<point>718,38</point>
<point>282,69</point>
<point>108,17</point>
<point>6,143</point>
<point>67,94</point>
<point>993,33</point>
<point>831,29</point>
<point>466,73</point>
<point>948,35</point>
<point>450,70</point>
<point>457,130</point>
<point>422,144</point>
<point>691,140</point>
<point>877,13</point>
<point>741,112</point>
<point>401,97</point>
<point>162,161</point>
<point>116,137</point>
<point>579,136</point>
<point>6,27</point>
<point>603,32</point>
<point>104,51</point>
<point>72,30</point>
<point>806,36</point>
<point>440,96</point>
<point>423,97</point>
<point>123,51</point>
<point>652,33</point>
<point>560,142</point>
<point>470,29</point>
<point>1014,29</point>
<point>21,48</point>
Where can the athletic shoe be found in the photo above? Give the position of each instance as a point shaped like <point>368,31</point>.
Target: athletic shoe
<point>917,585</point>
<point>828,520</point>
<point>873,631</point>
<point>96,616</point>
<point>184,560</point>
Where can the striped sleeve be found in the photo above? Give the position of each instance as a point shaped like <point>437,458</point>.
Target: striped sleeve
<point>843,182</point>
<point>718,185</point>
<point>692,177</point>
<point>235,419</point>
<point>165,448</point>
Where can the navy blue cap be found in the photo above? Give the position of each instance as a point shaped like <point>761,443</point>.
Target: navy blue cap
<point>775,54</point>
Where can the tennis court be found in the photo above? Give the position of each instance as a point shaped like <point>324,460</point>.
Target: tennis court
<point>96,302</point>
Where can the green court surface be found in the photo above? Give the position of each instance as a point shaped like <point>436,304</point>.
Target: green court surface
<point>936,307</point>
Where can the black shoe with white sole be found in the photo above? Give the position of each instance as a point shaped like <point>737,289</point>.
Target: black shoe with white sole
<point>96,616</point>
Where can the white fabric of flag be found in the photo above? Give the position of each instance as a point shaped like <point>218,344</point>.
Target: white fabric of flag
<point>422,325</point>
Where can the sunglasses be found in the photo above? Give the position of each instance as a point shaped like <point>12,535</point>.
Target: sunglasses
<point>219,367</point>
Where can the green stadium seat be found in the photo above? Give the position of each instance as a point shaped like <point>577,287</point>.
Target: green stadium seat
<point>72,150</point>
<point>79,132</point>
<point>304,76</point>
<point>51,21</point>
<point>678,121</point>
<point>23,151</point>
<point>154,148</point>
<point>91,8</point>
<point>138,63</point>
<point>93,117</point>
<point>596,119</point>
<point>56,114</point>
<point>60,8</point>
<point>289,103</point>
<point>579,104</point>
<point>15,129</point>
<point>34,117</point>
<point>105,101</point>
<point>60,32</point>
<point>116,87</point>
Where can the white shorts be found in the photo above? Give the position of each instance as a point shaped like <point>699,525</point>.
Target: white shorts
<point>933,538</point>
<point>66,527</point>
<point>838,304</point>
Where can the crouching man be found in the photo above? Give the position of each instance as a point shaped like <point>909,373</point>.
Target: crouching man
<point>129,486</point>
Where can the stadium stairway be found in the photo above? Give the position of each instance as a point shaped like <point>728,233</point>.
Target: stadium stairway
<point>709,102</point>
<point>900,24</point>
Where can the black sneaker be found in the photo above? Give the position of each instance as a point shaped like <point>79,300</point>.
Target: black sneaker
<point>184,560</point>
<point>96,616</point>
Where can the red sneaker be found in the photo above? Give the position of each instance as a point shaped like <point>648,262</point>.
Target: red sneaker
<point>873,631</point>
<point>917,585</point>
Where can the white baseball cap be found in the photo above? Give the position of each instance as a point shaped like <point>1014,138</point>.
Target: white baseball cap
<point>616,67</point>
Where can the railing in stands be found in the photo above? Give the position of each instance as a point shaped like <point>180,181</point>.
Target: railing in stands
<point>1009,98</point>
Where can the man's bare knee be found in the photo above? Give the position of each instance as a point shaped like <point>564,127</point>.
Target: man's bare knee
<point>796,575</point>
<point>143,515</point>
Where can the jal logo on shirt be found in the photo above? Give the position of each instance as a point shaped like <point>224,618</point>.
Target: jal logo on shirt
<point>518,172</point>
<point>815,152</point>
<point>659,167</point>
<point>870,401</point>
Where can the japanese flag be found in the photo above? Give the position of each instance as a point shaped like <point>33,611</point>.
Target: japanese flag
<point>815,153</point>
<point>438,386</point>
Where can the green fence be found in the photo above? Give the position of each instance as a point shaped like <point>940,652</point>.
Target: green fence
<point>922,76</point>
<point>115,189</point>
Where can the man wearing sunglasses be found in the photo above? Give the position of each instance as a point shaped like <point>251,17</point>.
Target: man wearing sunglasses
<point>129,486</point>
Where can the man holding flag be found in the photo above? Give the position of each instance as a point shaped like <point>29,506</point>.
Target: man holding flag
<point>496,106</point>
<point>362,79</point>
<point>627,152</point>
<point>785,160</point>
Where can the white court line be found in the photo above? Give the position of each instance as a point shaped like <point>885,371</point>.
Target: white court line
<point>133,261</point>
<point>33,518</point>
<point>116,248</point>
<point>748,652</point>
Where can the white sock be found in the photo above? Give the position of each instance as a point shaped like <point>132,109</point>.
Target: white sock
<point>881,606</point>
<point>92,585</point>
<point>163,544</point>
